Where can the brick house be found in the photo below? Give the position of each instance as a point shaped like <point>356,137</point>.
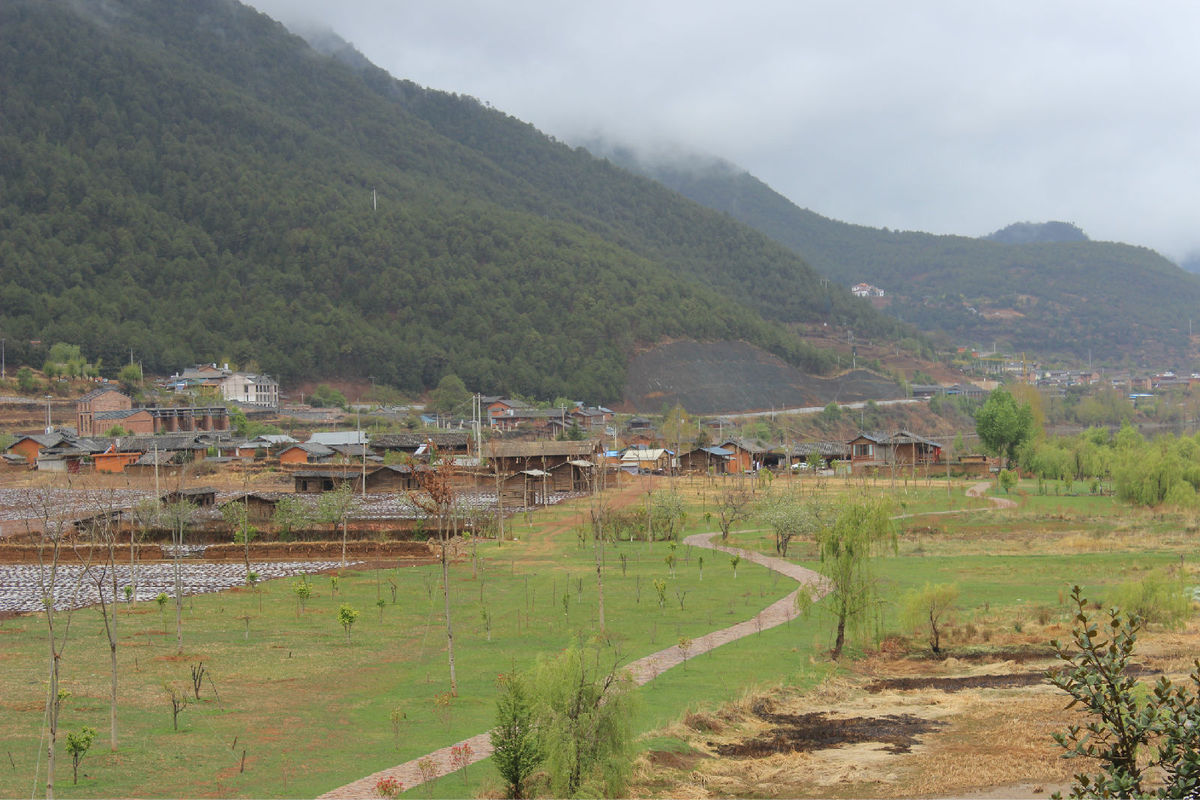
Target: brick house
<point>104,399</point>
<point>133,420</point>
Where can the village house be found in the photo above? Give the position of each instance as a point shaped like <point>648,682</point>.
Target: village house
<point>249,389</point>
<point>423,444</point>
<point>649,459</point>
<point>100,400</point>
<point>705,460</point>
<point>874,450</point>
<point>590,417</point>
<point>305,453</point>
<point>512,457</point>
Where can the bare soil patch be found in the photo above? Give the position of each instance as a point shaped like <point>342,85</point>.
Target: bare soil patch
<point>895,727</point>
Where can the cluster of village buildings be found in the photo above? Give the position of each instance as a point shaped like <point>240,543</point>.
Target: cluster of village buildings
<point>167,441</point>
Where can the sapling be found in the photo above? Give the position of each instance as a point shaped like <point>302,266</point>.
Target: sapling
<point>198,670</point>
<point>397,716</point>
<point>77,746</point>
<point>443,706</point>
<point>428,769</point>
<point>161,599</point>
<point>734,560</point>
<point>178,700</point>
<point>685,646</point>
<point>303,590</point>
<point>486,616</point>
<point>660,586</point>
<point>460,759</point>
<point>347,616</point>
<point>700,564</point>
<point>380,603</point>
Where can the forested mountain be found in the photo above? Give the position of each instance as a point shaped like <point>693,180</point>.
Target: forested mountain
<point>187,179</point>
<point>1038,233</point>
<point>1050,291</point>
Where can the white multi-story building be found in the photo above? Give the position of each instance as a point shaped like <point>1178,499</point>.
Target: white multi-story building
<point>250,390</point>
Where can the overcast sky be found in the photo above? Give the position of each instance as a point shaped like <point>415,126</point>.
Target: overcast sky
<point>950,117</point>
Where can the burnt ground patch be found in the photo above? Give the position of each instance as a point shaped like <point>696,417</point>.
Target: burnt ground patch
<point>723,377</point>
<point>1008,681</point>
<point>801,733</point>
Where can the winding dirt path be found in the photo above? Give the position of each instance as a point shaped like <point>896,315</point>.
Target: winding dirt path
<point>643,670</point>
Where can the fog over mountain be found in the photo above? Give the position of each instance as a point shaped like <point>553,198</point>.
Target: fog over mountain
<point>947,118</point>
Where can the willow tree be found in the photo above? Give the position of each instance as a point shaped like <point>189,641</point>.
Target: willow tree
<point>847,548</point>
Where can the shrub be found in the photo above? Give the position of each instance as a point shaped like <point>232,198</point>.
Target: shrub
<point>1156,598</point>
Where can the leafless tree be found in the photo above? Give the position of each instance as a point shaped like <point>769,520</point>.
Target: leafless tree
<point>436,499</point>
<point>105,510</point>
<point>49,526</point>
<point>177,516</point>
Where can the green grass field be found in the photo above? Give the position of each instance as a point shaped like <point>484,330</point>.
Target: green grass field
<point>312,712</point>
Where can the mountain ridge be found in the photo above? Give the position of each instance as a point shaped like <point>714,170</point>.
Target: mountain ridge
<point>1057,298</point>
<point>191,181</point>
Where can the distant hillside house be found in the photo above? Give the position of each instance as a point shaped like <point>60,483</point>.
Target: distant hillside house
<point>866,290</point>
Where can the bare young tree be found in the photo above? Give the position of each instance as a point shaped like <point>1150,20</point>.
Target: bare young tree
<point>49,526</point>
<point>105,512</point>
<point>336,506</point>
<point>598,512</point>
<point>177,516</point>
<point>145,515</point>
<point>436,499</point>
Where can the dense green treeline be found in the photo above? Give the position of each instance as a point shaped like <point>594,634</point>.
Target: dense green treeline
<point>1165,469</point>
<point>1067,297</point>
<point>189,181</point>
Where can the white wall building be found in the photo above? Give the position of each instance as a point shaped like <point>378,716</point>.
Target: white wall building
<point>250,390</point>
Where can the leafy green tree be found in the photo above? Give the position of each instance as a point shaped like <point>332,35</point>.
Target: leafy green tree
<point>1008,480</point>
<point>667,515</point>
<point>77,746</point>
<point>130,378</point>
<point>847,548</point>
<point>584,717</point>
<point>1138,738</point>
<point>450,396</point>
<point>291,514</point>
<point>517,750</point>
<point>26,381</point>
<point>1002,425</point>
<point>788,515</point>
<point>928,608</point>
<point>326,396</point>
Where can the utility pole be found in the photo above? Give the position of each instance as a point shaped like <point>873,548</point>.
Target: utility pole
<point>363,441</point>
